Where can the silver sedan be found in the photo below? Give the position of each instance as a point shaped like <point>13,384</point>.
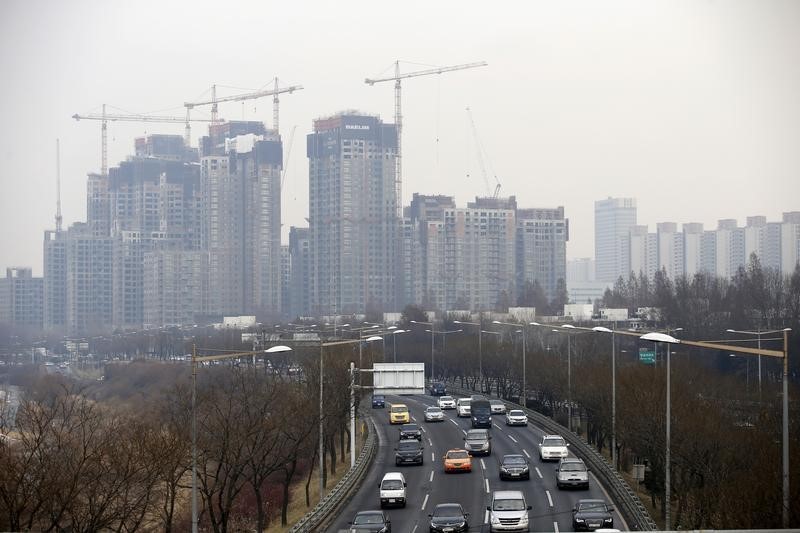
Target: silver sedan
<point>434,414</point>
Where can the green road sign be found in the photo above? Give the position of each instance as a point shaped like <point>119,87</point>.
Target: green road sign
<point>647,357</point>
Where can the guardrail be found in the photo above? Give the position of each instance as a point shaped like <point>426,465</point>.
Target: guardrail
<point>628,503</point>
<point>318,518</point>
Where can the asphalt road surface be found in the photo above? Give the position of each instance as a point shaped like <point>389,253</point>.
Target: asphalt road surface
<point>428,485</point>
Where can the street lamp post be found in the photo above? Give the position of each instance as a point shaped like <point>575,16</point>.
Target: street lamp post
<point>613,392</point>
<point>523,394</point>
<point>444,342</point>
<point>432,330</point>
<point>394,342</point>
<point>758,332</point>
<point>480,349</point>
<point>666,339</point>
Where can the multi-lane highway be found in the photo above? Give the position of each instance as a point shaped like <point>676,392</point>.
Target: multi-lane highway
<point>428,485</point>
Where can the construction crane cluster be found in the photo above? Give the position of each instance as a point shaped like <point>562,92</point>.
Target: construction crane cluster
<point>104,117</point>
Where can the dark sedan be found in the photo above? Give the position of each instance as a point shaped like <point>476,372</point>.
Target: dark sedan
<point>448,517</point>
<point>588,515</point>
<point>372,522</point>
<point>410,431</point>
<point>378,401</point>
<point>514,467</point>
<point>408,451</point>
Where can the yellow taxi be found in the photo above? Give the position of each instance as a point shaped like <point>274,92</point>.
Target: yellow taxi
<point>457,461</point>
<point>398,414</point>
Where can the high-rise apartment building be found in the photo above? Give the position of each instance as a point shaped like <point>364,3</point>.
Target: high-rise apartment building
<point>692,246</point>
<point>541,248</point>
<point>55,280</point>
<point>240,171</point>
<point>90,268</point>
<point>613,219</point>
<point>299,289</point>
<point>175,287</point>
<point>353,214</point>
<point>22,299</point>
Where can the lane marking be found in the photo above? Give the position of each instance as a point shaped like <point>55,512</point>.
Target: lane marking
<point>555,527</point>
<point>453,421</point>
<point>425,502</point>
<point>413,418</point>
<point>424,430</point>
<point>512,438</point>
<point>464,431</point>
<point>415,529</point>
<point>487,484</point>
<point>549,498</point>
<point>483,465</point>
<point>431,480</point>
<point>526,453</point>
<point>495,425</point>
<point>486,517</point>
<point>539,473</point>
<point>430,442</point>
<point>433,457</point>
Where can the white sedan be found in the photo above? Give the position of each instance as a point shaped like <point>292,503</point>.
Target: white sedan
<point>553,448</point>
<point>515,417</point>
<point>446,402</point>
<point>497,407</point>
<point>434,414</point>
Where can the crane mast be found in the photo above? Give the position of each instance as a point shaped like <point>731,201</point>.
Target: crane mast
<point>104,118</point>
<point>398,115</point>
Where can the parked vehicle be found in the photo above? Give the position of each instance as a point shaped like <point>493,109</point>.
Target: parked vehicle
<point>514,466</point>
<point>457,461</point>
<point>589,515</point>
<point>516,417</point>
<point>463,407</point>
<point>409,451</point>
<point>508,511</point>
<point>392,489</point>
<point>478,441</point>
<point>552,448</point>
<point>446,402</point>
<point>410,431</point>
<point>371,522</point>
<point>447,517</point>
<point>398,414</point>
<point>434,414</point>
<point>572,472</point>
<point>378,401</point>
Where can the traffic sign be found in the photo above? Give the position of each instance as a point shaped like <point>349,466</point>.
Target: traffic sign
<point>646,356</point>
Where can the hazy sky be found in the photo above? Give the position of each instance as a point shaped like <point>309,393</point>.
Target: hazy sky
<point>691,107</point>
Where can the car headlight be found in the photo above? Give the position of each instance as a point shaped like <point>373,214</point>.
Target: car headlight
<point>495,520</point>
<point>524,519</point>
<point>608,520</point>
<point>579,519</point>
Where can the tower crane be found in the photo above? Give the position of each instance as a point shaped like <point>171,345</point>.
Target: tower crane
<point>479,149</point>
<point>398,116</point>
<point>106,117</point>
<point>241,97</point>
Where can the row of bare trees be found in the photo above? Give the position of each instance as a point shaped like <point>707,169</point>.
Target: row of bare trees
<point>117,455</point>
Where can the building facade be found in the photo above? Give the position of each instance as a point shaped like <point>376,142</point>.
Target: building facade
<point>353,215</point>
<point>613,219</point>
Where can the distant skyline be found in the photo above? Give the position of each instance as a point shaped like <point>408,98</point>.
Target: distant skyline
<point>689,107</point>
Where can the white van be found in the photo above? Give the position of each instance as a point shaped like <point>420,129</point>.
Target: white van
<point>508,511</point>
<point>393,489</point>
<point>463,407</point>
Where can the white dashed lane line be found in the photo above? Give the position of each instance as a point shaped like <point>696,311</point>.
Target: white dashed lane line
<point>430,442</point>
<point>433,457</point>
<point>415,529</point>
<point>526,453</point>
<point>539,473</point>
<point>549,498</point>
<point>555,527</point>
<point>425,501</point>
<point>454,422</point>
<point>487,485</point>
<point>431,480</point>
<point>424,430</point>
<point>498,427</point>
<point>486,517</point>
<point>512,438</point>
<point>483,465</point>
